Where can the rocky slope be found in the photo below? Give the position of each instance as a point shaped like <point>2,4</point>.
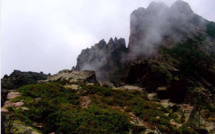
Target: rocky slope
<point>62,106</point>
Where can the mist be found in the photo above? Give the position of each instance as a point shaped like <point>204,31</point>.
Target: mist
<point>159,25</point>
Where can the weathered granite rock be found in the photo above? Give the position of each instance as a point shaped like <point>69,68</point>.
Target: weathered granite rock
<point>18,79</point>
<point>106,84</point>
<point>19,104</point>
<point>73,77</point>
<point>153,97</point>
<point>130,88</point>
<point>149,73</point>
<point>104,58</point>
<point>72,86</point>
<point>13,94</point>
<point>176,23</point>
<point>8,103</point>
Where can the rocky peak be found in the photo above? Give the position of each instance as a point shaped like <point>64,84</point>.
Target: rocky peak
<point>18,78</point>
<point>115,44</point>
<point>73,77</point>
<point>101,44</point>
<point>159,25</point>
<point>181,7</point>
<point>100,57</point>
<point>156,7</point>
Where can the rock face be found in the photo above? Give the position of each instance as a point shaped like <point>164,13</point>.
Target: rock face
<point>74,77</point>
<point>150,74</point>
<point>18,79</point>
<point>160,25</point>
<point>169,47</point>
<point>102,58</point>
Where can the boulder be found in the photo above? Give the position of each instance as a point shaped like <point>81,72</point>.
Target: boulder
<point>153,97</point>
<point>13,94</point>
<point>72,86</point>
<point>106,84</point>
<point>130,88</point>
<point>19,104</point>
<point>74,77</point>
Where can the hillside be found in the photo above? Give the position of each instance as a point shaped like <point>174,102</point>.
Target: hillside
<point>163,82</point>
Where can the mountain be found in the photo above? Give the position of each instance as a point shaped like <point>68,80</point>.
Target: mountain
<point>152,30</point>
<point>163,82</point>
<point>166,45</point>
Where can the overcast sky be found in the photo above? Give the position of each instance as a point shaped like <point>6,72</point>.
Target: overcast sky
<point>48,35</point>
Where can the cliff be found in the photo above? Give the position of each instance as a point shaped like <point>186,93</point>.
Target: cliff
<point>102,59</point>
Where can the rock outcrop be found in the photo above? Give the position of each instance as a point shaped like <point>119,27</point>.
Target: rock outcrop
<point>73,77</point>
<point>159,25</point>
<point>104,58</point>
<point>169,47</point>
<point>17,79</point>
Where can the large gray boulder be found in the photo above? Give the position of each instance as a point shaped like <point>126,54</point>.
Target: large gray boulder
<point>74,77</point>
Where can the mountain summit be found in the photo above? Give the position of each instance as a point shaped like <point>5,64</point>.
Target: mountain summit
<point>160,25</point>
<point>151,30</point>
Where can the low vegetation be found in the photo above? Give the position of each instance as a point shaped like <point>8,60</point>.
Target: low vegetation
<point>49,107</point>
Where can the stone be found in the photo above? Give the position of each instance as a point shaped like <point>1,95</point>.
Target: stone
<point>13,94</point>
<point>187,110</point>
<point>165,103</point>
<point>85,101</point>
<point>90,84</point>
<point>106,84</point>
<point>19,104</point>
<point>68,77</point>
<point>24,108</point>
<point>4,110</point>
<point>153,97</point>
<point>72,86</point>
<point>130,88</point>
<point>172,122</point>
<point>149,131</point>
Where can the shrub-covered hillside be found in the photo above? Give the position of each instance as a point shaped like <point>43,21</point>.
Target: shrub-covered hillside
<point>50,107</point>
